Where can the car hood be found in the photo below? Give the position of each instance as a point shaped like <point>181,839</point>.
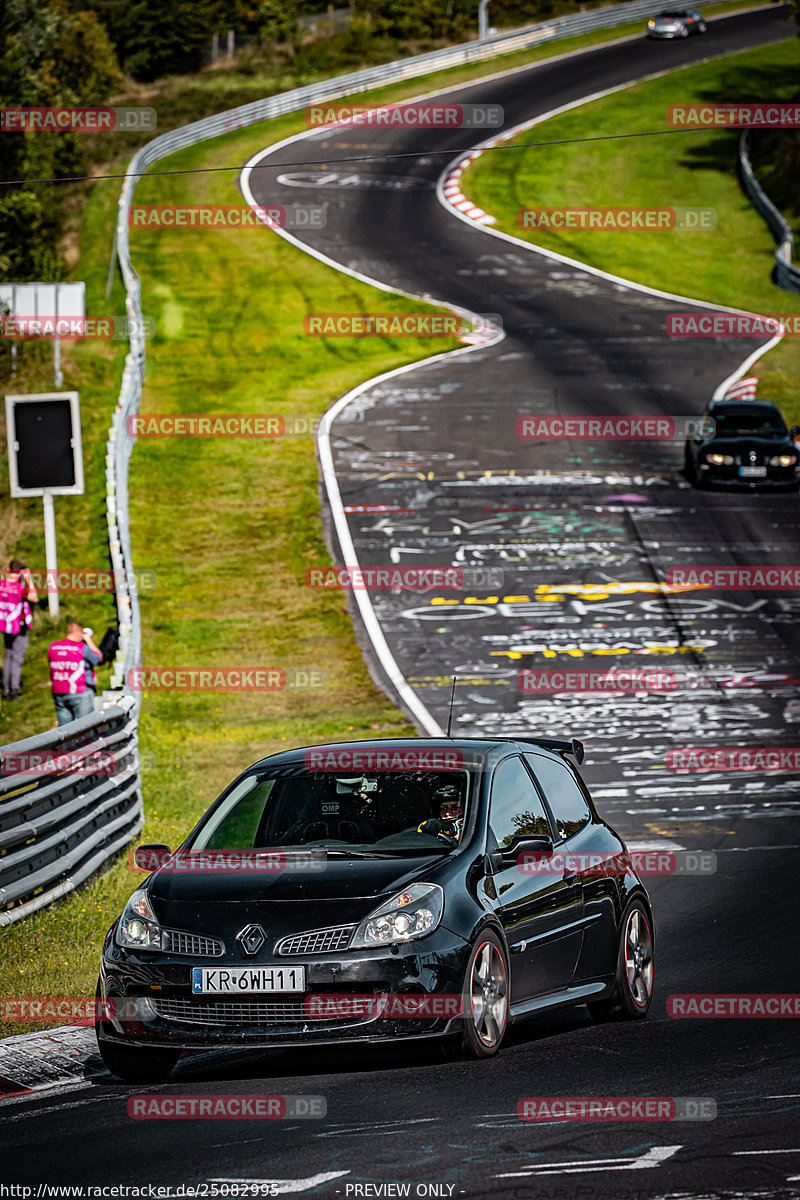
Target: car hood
<point>336,879</point>
<point>746,441</point>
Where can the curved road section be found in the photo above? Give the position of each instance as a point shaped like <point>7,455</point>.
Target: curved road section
<point>567,544</point>
<point>583,534</point>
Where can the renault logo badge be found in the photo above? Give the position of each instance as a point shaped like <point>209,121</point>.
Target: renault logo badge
<point>251,939</point>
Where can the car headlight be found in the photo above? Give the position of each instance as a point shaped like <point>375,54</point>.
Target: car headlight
<point>138,927</point>
<point>720,460</point>
<point>783,460</point>
<point>651,24</point>
<point>410,914</point>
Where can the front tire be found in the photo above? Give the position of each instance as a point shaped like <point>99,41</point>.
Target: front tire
<point>633,984</point>
<point>485,998</point>
<point>137,1064</point>
<point>132,1064</point>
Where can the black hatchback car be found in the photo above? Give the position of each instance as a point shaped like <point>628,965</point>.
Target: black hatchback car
<point>373,891</point>
<point>743,444</point>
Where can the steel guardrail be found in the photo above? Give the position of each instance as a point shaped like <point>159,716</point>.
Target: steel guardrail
<point>787,275</point>
<point>70,809</point>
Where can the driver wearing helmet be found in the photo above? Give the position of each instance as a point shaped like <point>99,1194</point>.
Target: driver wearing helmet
<point>450,822</point>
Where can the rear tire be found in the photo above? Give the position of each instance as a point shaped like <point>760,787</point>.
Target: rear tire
<point>633,985</point>
<point>484,998</point>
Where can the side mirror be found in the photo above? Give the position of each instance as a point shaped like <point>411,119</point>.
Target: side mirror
<point>540,843</point>
<point>794,431</point>
<point>151,856</point>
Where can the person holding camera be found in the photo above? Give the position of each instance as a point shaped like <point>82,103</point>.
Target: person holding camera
<point>71,659</point>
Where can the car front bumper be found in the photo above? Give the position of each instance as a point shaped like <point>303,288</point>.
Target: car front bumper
<point>776,477</point>
<point>155,990</point>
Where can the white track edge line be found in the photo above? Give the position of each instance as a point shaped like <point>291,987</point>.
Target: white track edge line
<point>362,598</point>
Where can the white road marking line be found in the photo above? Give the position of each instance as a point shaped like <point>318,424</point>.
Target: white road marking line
<point>767,1151</point>
<point>282,1187</point>
<point>411,701</point>
<point>653,1158</point>
<point>380,1127</point>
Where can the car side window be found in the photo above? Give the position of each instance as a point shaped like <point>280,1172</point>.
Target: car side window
<point>515,809</point>
<point>567,802</point>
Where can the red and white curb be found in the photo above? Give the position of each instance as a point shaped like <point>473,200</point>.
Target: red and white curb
<point>451,190</point>
<point>33,1062</point>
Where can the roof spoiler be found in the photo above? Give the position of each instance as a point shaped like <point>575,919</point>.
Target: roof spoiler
<point>575,748</point>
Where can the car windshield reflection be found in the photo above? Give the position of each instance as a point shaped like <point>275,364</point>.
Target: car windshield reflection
<point>371,814</point>
<point>744,424</point>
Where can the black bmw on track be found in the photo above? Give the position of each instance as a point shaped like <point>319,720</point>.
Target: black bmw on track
<point>375,891</point>
<point>743,444</point>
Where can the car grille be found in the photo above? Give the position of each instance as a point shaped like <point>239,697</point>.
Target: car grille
<point>241,1012</point>
<point>194,944</point>
<point>751,459</point>
<point>318,941</point>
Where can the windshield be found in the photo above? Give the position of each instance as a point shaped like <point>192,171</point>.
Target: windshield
<point>374,813</point>
<point>672,16</point>
<point>748,421</point>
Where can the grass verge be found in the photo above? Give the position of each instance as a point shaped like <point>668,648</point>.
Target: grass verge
<point>730,265</point>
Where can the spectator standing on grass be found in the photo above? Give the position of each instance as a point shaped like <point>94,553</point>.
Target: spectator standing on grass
<point>68,659</point>
<point>17,593</point>
<point>92,657</point>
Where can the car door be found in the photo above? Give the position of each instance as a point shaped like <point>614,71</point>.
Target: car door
<point>578,839</point>
<point>540,909</point>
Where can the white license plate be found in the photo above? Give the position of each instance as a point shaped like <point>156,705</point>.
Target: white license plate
<point>752,472</point>
<point>239,981</point>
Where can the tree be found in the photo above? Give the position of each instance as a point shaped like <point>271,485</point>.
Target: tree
<point>49,57</point>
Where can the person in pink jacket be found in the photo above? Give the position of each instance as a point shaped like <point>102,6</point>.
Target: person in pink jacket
<point>17,593</point>
<point>68,659</point>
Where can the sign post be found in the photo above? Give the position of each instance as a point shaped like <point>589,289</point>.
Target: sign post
<point>45,458</point>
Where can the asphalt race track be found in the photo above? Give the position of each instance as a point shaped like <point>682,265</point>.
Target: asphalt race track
<point>583,534</point>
